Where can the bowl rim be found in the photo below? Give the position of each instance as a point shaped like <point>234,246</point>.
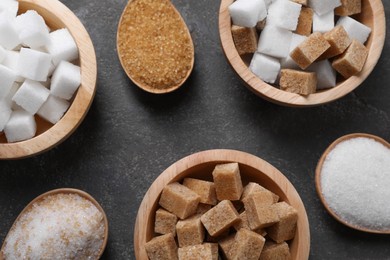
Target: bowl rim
<point>284,98</point>
<point>60,131</point>
<point>173,172</point>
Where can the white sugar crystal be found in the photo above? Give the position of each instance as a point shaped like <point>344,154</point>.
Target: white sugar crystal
<point>326,75</point>
<point>247,13</point>
<point>3,53</point>
<point>9,37</point>
<point>7,79</point>
<point>62,46</point>
<point>61,226</point>
<point>355,29</point>
<point>284,14</point>
<point>66,80</point>
<point>288,62</point>
<point>34,65</point>
<point>275,41</point>
<point>323,6</point>
<point>5,114</point>
<point>11,61</point>
<point>53,109</point>
<point>21,126</point>
<point>32,29</point>
<point>323,23</point>
<point>10,6</point>
<point>31,96</point>
<point>355,182</point>
<point>265,67</point>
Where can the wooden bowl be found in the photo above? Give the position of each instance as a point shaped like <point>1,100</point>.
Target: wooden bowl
<point>319,187</point>
<point>372,15</point>
<point>58,16</point>
<point>200,165</point>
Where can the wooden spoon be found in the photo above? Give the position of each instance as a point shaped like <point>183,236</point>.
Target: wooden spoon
<point>318,180</point>
<point>154,45</point>
<point>66,191</point>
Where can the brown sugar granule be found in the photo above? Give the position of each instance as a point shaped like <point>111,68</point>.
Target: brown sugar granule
<point>349,7</point>
<point>154,45</point>
<point>305,21</point>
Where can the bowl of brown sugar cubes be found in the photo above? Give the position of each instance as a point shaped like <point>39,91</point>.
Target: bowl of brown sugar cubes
<point>221,203</point>
<point>47,76</point>
<point>302,52</point>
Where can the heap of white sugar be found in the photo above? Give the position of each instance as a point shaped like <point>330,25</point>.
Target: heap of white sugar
<point>62,226</point>
<point>355,182</point>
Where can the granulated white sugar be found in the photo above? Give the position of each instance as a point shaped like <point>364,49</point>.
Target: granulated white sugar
<point>355,182</point>
<point>62,226</point>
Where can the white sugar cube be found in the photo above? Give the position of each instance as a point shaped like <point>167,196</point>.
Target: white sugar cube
<point>5,114</point>
<point>247,13</point>
<point>288,62</point>
<point>10,95</point>
<point>3,53</point>
<point>32,29</point>
<point>355,29</point>
<point>53,109</point>
<point>265,67</point>
<point>7,79</point>
<point>31,96</point>
<point>65,80</point>
<point>21,126</point>
<point>323,23</point>
<point>323,6</point>
<point>10,6</point>
<point>34,65</point>
<point>284,14</point>
<point>62,46</point>
<point>326,75</point>
<point>275,41</point>
<point>11,61</point>
<point>9,37</point>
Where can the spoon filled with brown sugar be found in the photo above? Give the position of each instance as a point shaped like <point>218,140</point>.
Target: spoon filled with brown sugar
<point>154,45</point>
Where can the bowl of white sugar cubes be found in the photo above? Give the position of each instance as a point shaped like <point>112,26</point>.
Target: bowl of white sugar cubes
<point>47,75</point>
<point>302,52</point>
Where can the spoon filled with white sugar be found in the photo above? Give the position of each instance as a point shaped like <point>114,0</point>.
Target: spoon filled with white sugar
<point>353,180</point>
<point>60,224</point>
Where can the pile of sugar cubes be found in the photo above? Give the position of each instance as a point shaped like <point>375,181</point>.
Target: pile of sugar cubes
<point>36,73</point>
<point>301,47</point>
<point>200,219</point>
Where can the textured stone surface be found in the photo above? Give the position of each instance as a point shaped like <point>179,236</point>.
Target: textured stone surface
<point>129,137</point>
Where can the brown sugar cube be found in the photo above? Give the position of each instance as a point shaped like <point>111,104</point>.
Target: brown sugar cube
<point>162,248</point>
<point>302,2</point>
<point>226,244</point>
<point>305,21</point>
<point>190,232</point>
<point>245,39</point>
<point>259,212</point>
<point>227,181</point>
<point>309,50</point>
<point>352,60</point>
<point>260,25</point>
<point>243,223</point>
<point>165,222</point>
<point>207,251</point>
<point>349,7</point>
<point>299,82</point>
<point>179,200</point>
<point>205,189</point>
<point>339,41</point>
<point>247,245</point>
<point>274,251</point>
<point>285,228</point>
<point>202,208</point>
<point>220,218</point>
<point>253,187</point>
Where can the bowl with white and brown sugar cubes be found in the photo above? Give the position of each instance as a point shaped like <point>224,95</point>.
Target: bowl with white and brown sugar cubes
<point>302,52</point>
<point>221,204</point>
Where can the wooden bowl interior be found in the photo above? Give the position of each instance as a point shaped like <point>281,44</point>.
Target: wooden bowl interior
<point>319,187</point>
<point>57,16</point>
<point>372,15</point>
<point>272,180</point>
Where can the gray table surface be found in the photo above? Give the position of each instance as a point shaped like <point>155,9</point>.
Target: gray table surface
<point>129,137</point>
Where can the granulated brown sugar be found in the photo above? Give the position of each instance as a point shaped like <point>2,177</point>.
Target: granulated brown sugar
<point>154,44</point>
